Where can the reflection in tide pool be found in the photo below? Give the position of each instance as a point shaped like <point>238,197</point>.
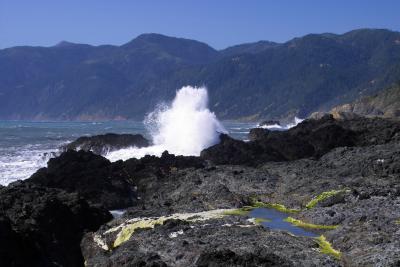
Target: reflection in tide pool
<point>276,222</point>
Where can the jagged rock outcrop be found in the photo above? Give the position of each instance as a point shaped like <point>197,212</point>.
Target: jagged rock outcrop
<point>215,242</point>
<point>311,138</point>
<point>101,144</point>
<point>364,208</point>
<point>269,123</point>
<point>308,139</point>
<point>43,227</point>
<point>92,176</point>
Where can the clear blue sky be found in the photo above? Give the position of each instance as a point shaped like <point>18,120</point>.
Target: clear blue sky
<point>220,23</point>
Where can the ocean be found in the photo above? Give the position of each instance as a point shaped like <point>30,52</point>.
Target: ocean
<point>27,146</point>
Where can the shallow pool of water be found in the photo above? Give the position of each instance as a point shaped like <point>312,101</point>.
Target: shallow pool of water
<point>276,222</point>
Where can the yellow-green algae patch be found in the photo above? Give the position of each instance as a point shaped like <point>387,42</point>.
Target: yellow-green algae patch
<point>255,203</point>
<point>260,220</point>
<point>324,195</point>
<point>397,221</point>
<point>130,226</point>
<point>237,212</point>
<point>326,247</point>
<point>302,224</point>
<point>278,207</point>
<point>128,230</point>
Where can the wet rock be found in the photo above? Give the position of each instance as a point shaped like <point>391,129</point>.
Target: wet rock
<point>311,138</point>
<point>101,144</point>
<point>43,227</point>
<point>366,209</point>
<point>216,242</point>
<point>269,123</point>
<point>94,177</point>
<point>257,133</point>
<point>231,151</point>
<point>359,158</point>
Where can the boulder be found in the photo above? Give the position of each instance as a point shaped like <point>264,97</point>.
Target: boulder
<point>269,123</point>
<point>92,176</point>
<point>232,151</point>
<point>160,166</point>
<point>43,227</point>
<point>257,133</point>
<point>12,245</point>
<point>101,144</point>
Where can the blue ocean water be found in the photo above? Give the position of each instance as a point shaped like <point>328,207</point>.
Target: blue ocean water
<point>27,146</point>
<point>276,221</point>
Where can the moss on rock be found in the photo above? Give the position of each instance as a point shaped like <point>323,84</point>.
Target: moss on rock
<point>260,220</point>
<point>279,207</point>
<point>237,212</point>
<point>326,247</point>
<point>302,224</point>
<point>129,227</point>
<point>323,196</point>
<point>127,231</point>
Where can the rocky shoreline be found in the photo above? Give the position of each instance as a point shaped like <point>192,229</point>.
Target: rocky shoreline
<point>339,179</point>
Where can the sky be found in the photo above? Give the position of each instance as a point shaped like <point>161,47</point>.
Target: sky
<point>219,23</point>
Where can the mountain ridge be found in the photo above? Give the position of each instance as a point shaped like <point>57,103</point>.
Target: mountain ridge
<point>260,80</point>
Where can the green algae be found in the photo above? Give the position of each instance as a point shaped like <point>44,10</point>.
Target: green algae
<point>260,220</point>
<point>326,247</point>
<point>276,206</point>
<point>302,224</point>
<point>258,204</point>
<point>279,207</point>
<point>324,195</point>
<point>127,231</point>
<point>237,212</point>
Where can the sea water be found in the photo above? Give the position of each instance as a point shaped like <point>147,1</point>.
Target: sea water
<point>26,146</point>
<point>185,126</point>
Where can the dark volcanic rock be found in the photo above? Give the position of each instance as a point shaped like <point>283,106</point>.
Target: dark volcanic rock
<point>358,159</point>
<point>101,144</point>
<point>366,212</point>
<point>159,167</point>
<point>150,174</point>
<point>311,138</point>
<point>94,177</point>
<point>226,257</point>
<point>269,123</point>
<point>113,185</point>
<point>43,227</point>
<point>229,241</point>
<point>257,133</point>
<point>12,245</point>
<point>232,151</point>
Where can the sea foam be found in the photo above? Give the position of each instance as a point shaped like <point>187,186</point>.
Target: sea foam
<point>184,127</point>
<point>282,127</point>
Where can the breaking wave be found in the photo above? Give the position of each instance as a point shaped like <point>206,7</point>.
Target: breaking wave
<point>185,127</point>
